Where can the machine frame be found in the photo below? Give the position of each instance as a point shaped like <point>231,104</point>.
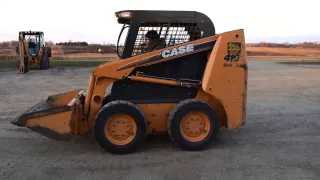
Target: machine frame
<point>189,89</point>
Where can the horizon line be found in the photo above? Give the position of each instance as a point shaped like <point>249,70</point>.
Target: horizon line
<point>106,43</point>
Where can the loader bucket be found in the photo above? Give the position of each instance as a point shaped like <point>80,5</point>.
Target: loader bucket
<point>56,117</point>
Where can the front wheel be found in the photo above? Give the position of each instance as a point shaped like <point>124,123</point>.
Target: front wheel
<point>45,61</point>
<point>120,127</point>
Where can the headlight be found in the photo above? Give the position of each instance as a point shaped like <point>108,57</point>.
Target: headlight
<point>126,15</point>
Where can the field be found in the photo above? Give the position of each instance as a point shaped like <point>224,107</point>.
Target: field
<point>279,141</point>
<point>68,53</point>
<point>276,53</point>
<point>254,51</point>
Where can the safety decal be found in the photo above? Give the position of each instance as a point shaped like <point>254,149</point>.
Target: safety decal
<point>233,50</point>
<point>233,53</point>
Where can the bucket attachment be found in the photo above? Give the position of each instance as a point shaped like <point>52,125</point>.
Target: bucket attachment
<point>57,118</point>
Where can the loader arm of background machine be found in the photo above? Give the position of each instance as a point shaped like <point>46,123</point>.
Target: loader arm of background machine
<point>23,51</point>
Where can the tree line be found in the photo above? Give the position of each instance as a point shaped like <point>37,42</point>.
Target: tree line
<point>72,44</point>
<point>286,45</point>
<point>13,44</point>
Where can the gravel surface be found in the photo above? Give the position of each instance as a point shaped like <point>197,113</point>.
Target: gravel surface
<point>281,139</point>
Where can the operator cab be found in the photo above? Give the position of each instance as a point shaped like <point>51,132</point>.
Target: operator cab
<point>175,27</point>
<point>34,41</point>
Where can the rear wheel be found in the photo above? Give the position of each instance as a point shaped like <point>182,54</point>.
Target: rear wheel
<point>193,125</point>
<point>120,127</point>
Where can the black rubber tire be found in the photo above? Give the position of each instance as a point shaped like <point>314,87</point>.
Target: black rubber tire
<point>45,62</point>
<point>177,114</point>
<point>124,107</point>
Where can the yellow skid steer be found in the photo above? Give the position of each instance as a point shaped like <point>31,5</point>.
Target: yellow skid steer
<point>176,75</point>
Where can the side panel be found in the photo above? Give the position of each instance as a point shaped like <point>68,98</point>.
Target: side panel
<point>225,76</point>
<point>149,93</point>
<point>96,98</point>
<point>157,116</point>
<point>216,104</point>
<point>189,67</point>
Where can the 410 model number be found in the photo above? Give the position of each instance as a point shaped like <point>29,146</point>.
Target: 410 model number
<point>232,57</point>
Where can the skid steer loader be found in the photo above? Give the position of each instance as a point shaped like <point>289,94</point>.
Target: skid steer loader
<point>189,88</point>
<point>32,51</point>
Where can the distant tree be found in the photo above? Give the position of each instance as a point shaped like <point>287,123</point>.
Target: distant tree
<point>14,43</point>
<point>49,43</point>
<point>6,44</point>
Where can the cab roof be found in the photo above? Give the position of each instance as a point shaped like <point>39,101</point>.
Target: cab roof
<point>31,32</point>
<point>162,17</point>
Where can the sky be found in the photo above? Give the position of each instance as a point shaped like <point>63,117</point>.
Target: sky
<point>94,21</point>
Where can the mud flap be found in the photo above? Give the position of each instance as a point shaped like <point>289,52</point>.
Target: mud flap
<point>57,117</point>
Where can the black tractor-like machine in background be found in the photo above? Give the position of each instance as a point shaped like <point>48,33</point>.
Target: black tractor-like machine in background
<point>32,50</point>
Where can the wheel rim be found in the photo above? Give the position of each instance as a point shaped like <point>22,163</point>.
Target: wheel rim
<point>120,129</point>
<point>195,126</point>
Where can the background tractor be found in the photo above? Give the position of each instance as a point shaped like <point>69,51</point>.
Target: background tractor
<point>32,50</point>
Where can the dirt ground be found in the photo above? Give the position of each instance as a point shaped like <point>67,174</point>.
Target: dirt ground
<point>281,139</point>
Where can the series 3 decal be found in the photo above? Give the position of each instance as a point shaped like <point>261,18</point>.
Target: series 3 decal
<point>233,50</point>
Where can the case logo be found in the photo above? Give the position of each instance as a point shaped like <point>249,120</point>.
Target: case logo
<point>177,51</point>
